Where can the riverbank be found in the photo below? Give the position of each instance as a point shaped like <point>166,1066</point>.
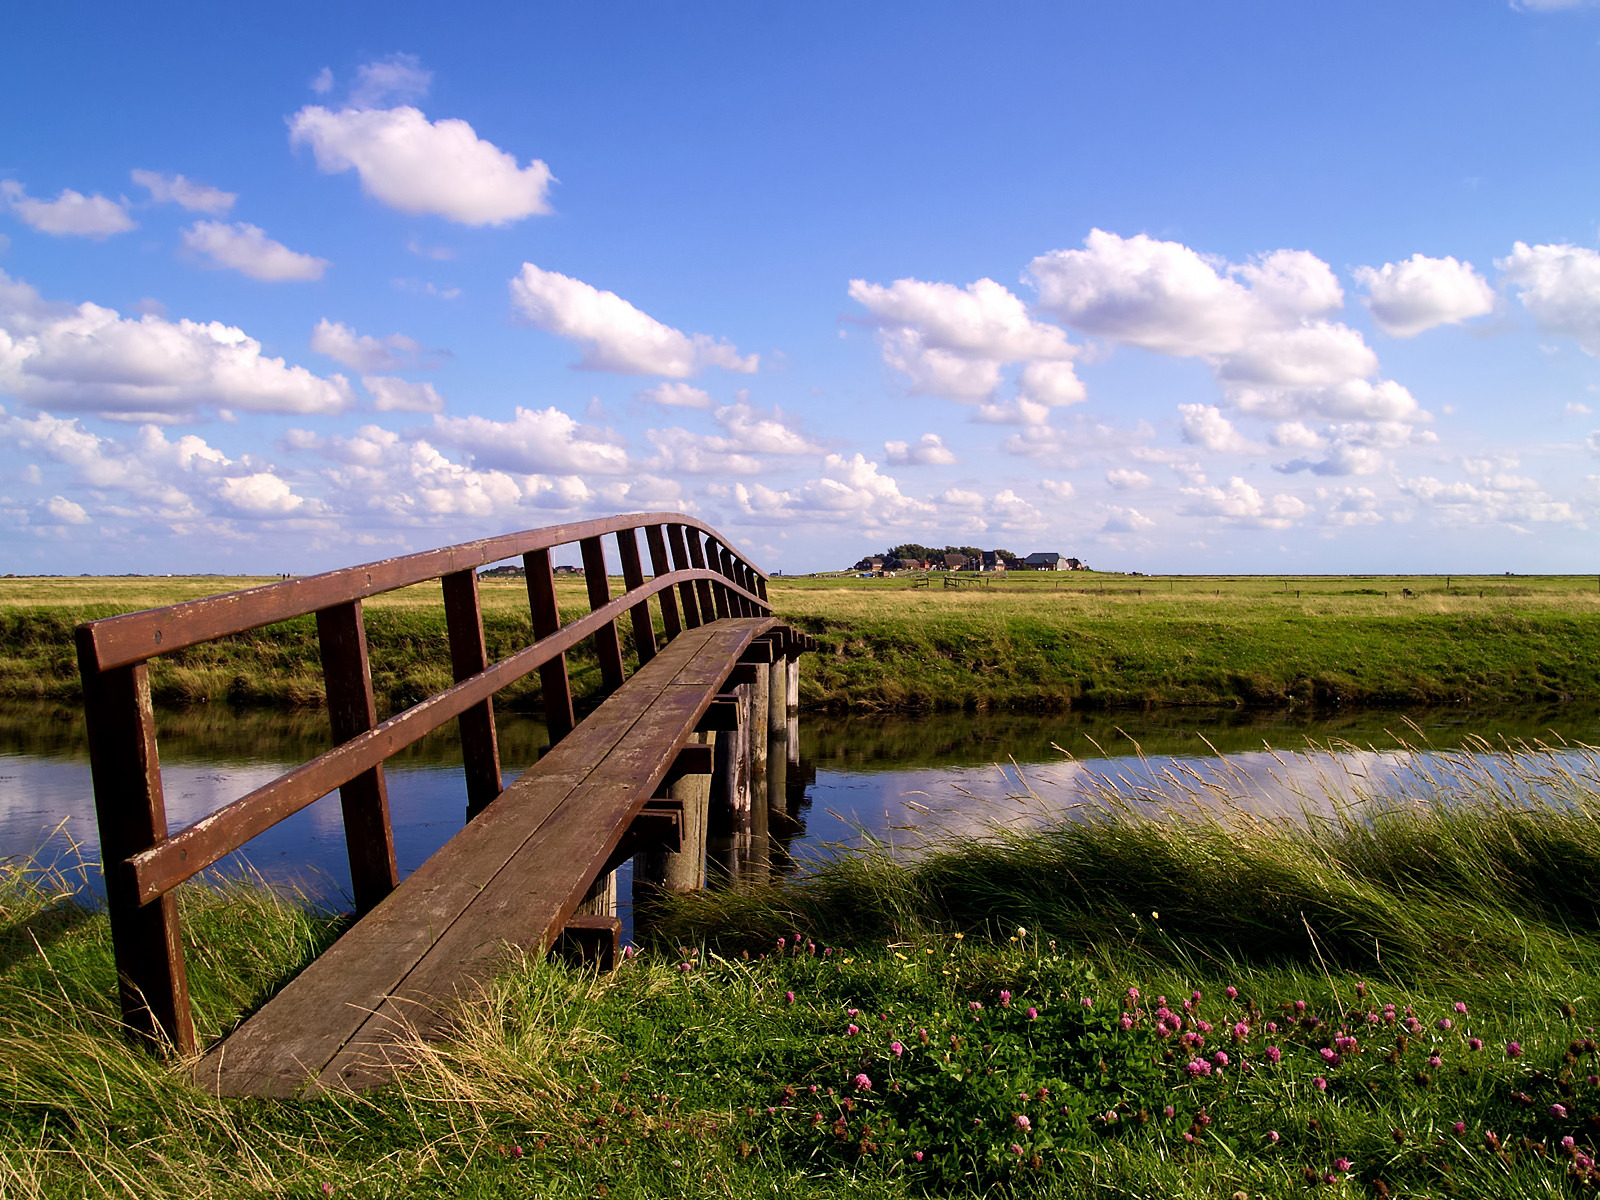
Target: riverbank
<point>1396,1007</point>
<point>1035,643</point>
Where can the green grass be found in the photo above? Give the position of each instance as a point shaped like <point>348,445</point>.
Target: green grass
<point>1067,642</point>
<point>1043,642</point>
<point>690,1070</point>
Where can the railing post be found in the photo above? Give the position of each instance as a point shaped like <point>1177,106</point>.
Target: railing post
<point>659,566</point>
<point>681,561</point>
<point>747,580</point>
<point>644,630</point>
<point>553,683</point>
<point>608,649</point>
<point>704,589</point>
<point>347,675</point>
<point>728,601</point>
<point>152,982</point>
<point>480,748</point>
<point>761,590</point>
<point>719,591</point>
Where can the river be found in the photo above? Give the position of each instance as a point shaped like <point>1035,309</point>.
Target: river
<point>885,777</point>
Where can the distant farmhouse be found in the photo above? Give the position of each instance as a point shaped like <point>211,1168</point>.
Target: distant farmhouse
<point>914,557</point>
<point>510,572</point>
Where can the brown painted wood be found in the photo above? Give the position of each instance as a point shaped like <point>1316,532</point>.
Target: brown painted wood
<point>152,982</point>
<point>212,837</point>
<point>554,687</point>
<point>693,759</point>
<point>607,646</point>
<point>671,622</point>
<point>704,589</point>
<point>302,1029</point>
<point>135,637</point>
<point>590,941</point>
<point>530,899</point>
<point>761,651</point>
<point>721,716</point>
<point>719,589</point>
<point>364,800</point>
<point>480,748</point>
<point>681,561</point>
<point>644,630</point>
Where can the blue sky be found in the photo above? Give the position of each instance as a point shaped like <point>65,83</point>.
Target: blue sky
<point>1245,287</point>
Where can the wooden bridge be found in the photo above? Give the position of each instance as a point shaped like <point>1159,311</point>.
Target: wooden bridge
<point>630,780</point>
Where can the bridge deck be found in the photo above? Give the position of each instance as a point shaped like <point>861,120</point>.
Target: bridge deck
<point>512,878</point>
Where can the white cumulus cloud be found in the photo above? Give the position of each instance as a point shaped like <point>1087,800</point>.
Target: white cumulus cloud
<point>419,166</point>
<point>390,394</point>
<point>363,352</point>
<point>1125,479</point>
<point>848,489</point>
<point>1204,425</point>
<point>175,189</point>
<point>174,481</point>
<point>71,214</point>
<point>954,342</point>
<point>1125,520</point>
<point>928,450</point>
<point>1560,286</point>
<point>90,358</point>
<point>534,440</point>
<point>66,512</point>
<point>247,249</point>
<point>400,77</point>
<point>747,431</point>
<point>1263,326</point>
<point>676,395</point>
<point>1421,293</point>
<point>614,335</point>
<point>1242,504</point>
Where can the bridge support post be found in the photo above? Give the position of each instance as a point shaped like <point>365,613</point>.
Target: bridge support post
<point>791,708</point>
<point>728,821</point>
<point>758,861</point>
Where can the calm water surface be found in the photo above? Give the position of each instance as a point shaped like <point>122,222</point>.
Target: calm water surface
<point>886,777</point>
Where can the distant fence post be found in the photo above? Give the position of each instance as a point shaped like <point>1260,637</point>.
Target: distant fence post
<point>347,674</point>
<point>152,982</point>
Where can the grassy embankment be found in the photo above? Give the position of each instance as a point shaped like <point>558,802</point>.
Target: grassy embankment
<point>1402,1006</point>
<point>1039,642</point>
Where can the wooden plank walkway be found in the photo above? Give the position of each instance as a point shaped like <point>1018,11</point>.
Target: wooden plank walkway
<point>512,878</point>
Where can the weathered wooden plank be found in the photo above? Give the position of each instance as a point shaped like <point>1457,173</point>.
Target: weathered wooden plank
<point>480,748</point>
<point>130,807</point>
<point>681,561</point>
<point>303,1028</point>
<point>364,800</point>
<point>531,897</point>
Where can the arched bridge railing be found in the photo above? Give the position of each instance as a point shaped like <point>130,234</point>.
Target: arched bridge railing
<point>695,578</point>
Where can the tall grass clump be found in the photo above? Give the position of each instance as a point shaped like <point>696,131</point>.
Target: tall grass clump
<point>1479,863</point>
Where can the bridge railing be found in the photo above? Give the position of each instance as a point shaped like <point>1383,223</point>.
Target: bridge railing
<point>695,577</point>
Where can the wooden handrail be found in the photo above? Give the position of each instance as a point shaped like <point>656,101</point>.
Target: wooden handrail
<point>161,868</point>
<point>137,636</point>
<point>142,864</point>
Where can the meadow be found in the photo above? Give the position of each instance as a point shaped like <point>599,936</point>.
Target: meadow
<point>1036,642</point>
<point>1385,1003</point>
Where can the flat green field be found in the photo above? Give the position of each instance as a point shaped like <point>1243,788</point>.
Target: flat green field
<point>1032,642</point>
